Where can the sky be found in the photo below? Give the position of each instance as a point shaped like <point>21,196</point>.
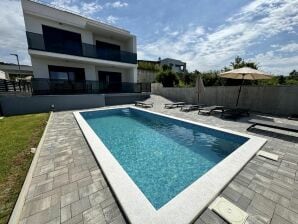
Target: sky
<point>206,34</point>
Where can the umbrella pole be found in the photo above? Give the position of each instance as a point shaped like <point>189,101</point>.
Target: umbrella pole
<point>240,90</point>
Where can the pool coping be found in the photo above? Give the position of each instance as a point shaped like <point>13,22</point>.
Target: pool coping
<point>188,204</point>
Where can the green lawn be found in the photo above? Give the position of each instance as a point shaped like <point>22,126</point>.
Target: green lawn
<point>18,134</point>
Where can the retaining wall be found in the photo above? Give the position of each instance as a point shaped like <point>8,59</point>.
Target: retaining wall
<point>17,104</point>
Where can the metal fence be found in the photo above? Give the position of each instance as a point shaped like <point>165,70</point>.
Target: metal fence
<point>8,86</point>
<point>56,87</point>
<point>36,42</point>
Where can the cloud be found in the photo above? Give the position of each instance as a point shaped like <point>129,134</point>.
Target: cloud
<point>12,29</point>
<point>117,4</point>
<point>276,63</point>
<point>292,47</point>
<point>206,49</point>
<point>111,19</point>
<point>84,8</point>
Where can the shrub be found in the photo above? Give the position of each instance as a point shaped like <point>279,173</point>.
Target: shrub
<point>167,78</point>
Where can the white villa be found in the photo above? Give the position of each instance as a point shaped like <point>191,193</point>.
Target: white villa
<point>66,46</point>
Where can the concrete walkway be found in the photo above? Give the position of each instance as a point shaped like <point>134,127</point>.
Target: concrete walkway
<point>68,186</point>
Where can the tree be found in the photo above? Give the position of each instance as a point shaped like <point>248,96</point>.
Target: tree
<point>293,75</point>
<point>187,78</point>
<point>148,66</point>
<point>240,63</point>
<point>281,80</point>
<point>167,77</point>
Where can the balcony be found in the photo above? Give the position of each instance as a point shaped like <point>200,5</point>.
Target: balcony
<point>42,86</point>
<point>36,42</point>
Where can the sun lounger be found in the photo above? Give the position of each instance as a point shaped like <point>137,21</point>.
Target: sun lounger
<point>293,117</point>
<point>190,107</point>
<point>174,105</point>
<point>143,104</point>
<point>209,110</point>
<point>234,112</point>
<point>271,124</point>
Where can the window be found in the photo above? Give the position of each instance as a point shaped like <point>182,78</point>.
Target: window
<point>108,51</point>
<point>107,46</point>
<point>66,73</point>
<point>62,41</point>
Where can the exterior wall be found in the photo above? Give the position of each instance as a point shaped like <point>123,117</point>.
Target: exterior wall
<point>126,74</point>
<point>277,100</point>
<point>40,67</point>
<point>13,105</point>
<point>124,98</point>
<point>52,14</point>
<point>34,24</point>
<point>122,44</point>
<point>146,76</point>
<point>132,44</point>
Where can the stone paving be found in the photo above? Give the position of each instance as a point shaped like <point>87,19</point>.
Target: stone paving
<point>68,186</point>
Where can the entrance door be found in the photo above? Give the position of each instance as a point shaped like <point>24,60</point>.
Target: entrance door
<point>110,81</point>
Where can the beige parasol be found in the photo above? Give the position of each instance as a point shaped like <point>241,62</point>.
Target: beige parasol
<point>200,87</point>
<point>244,73</point>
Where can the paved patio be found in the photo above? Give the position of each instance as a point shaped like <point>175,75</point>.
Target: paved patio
<point>68,186</point>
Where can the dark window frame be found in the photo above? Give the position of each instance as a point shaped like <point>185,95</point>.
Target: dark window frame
<point>64,41</point>
<point>79,73</point>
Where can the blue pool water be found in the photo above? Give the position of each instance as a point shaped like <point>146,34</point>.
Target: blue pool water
<point>162,156</point>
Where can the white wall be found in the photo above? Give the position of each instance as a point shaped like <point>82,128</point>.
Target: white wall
<point>127,75</point>
<point>111,41</point>
<point>40,67</point>
<point>34,25</point>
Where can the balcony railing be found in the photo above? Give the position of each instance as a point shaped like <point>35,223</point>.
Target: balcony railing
<point>58,86</point>
<point>36,42</point>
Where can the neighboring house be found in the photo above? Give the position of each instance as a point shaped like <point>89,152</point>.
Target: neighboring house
<point>11,71</point>
<point>2,75</point>
<point>176,65</point>
<point>65,46</point>
<point>147,70</point>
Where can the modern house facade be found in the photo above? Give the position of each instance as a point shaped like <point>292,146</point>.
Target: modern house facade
<point>174,64</point>
<point>69,51</point>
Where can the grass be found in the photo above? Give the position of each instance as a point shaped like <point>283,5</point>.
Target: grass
<point>18,134</point>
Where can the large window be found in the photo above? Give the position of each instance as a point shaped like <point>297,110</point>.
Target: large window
<point>66,73</point>
<point>107,46</point>
<point>62,41</point>
<point>108,51</point>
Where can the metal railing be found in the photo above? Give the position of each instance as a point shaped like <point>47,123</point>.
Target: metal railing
<point>36,42</point>
<point>57,87</point>
<point>21,86</point>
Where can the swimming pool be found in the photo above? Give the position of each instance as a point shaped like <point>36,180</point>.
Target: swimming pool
<point>157,158</point>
